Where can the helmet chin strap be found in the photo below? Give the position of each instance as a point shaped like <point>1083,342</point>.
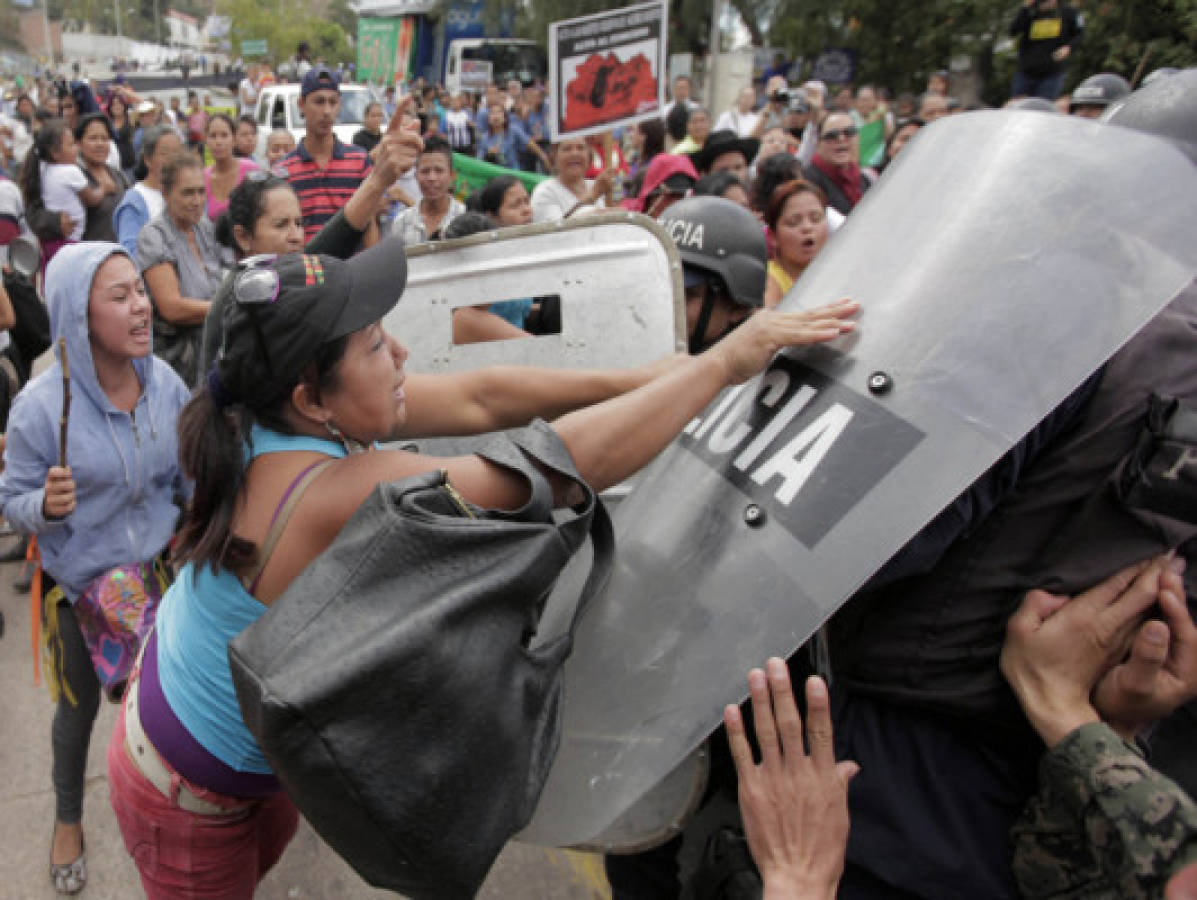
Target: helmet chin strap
<point>697,342</point>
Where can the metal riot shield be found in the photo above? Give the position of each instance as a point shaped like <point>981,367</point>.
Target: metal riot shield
<point>1004,258</point>
<point>618,277</point>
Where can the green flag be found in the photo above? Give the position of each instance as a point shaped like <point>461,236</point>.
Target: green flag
<point>474,173</point>
<point>872,143</point>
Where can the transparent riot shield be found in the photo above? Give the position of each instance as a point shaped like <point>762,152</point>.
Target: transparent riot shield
<point>1003,259</point>
<point>616,278</point>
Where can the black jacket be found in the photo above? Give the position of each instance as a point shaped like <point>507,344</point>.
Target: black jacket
<point>1040,33</point>
<point>1075,513</point>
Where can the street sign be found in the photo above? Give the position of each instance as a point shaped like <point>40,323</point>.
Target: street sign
<point>254,47</point>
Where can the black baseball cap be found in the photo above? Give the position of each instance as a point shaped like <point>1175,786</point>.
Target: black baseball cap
<point>284,308</point>
<point>320,78</point>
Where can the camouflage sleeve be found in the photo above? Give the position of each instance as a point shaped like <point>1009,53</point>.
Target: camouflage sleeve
<point>1104,823</point>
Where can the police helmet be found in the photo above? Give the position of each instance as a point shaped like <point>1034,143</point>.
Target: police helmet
<point>1099,90</point>
<point>1157,74</point>
<point>1038,104</point>
<point>721,238</point>
<point>1167,108</point>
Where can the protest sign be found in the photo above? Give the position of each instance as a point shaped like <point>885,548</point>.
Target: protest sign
<point>476,74</point>
<point>607,70</point>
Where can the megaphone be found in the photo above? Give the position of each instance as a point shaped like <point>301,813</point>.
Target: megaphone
<point>25,255</point>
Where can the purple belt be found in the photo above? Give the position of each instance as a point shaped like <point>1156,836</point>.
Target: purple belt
<point>183,752</point>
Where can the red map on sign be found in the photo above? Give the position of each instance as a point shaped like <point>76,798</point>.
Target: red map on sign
<point>604,89</point>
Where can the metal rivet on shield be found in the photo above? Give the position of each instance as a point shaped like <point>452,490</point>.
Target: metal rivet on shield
<point>754,516</point>
<point>880,383</point>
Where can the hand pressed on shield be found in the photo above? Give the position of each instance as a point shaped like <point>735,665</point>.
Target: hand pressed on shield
<point>794,805</point>
<point>612,440</point>
<point>1160,673</point>
<point>58,499</point>
<point>749,349</point>
<point>1057,649</point>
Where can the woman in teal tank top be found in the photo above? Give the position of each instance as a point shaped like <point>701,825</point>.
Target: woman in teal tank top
<point>306,374</point>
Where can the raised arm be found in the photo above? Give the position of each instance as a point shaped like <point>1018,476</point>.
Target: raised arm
<point>394,155</point>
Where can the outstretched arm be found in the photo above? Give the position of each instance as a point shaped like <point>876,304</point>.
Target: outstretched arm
<point>614,439</point>
<point>512,396</point>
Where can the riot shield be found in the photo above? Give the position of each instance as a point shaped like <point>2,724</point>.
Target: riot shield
<point>1004,258</point>
<point>617,276</point>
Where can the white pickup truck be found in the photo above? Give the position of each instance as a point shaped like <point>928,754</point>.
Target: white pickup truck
<point>278,107</point>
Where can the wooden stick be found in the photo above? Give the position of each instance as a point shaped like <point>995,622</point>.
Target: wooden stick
<point>66,403</point>
<point>609,163</point>
<point>1139,68</point>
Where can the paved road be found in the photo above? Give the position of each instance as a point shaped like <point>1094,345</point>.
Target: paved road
<point>309,869</point>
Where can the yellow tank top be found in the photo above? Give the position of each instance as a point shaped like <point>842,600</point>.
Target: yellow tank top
<point>781,276</point>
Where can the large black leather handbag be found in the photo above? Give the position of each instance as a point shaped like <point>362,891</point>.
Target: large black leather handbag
<point>396,688</point>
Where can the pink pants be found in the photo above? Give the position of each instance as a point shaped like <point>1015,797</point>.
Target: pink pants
<point>181,854</point>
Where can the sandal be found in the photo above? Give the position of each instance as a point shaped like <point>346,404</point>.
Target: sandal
<point>71,877</point>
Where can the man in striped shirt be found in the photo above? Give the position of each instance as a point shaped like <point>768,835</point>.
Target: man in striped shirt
<point>324,171</point>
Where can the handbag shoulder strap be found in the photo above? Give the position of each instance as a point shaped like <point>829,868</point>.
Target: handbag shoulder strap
<point>282,515</point>
<point>540,443</point>
<point>602,544</point>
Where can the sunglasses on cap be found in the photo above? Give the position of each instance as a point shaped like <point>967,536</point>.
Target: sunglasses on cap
<point>848,132</point>
<point>256,285</point>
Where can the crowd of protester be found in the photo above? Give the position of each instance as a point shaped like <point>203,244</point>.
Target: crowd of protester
<point>184,204</point>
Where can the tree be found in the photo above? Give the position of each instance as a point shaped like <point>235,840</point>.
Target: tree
<point>898,43</point>
<point>689,20</point>
<point>1132,39</point>
<point>283,24</point>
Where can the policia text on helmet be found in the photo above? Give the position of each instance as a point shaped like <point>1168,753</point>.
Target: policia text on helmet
<point>724,254</point>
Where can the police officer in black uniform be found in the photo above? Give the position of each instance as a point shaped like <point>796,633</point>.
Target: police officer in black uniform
<point>1095,94</point>
<point>724,256</point>
<point>1107,479</point>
